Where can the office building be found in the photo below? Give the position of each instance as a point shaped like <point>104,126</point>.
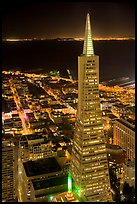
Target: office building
<point>35,146</point>
<point>89,164</point>
<point>124,136</point>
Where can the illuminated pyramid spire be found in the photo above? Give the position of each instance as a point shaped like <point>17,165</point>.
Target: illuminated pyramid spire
<point>88,48</point>
<point>89,162</point>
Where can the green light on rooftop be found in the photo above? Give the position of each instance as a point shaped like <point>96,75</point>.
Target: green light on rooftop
<point>69,183</point>
<point>50,198</point>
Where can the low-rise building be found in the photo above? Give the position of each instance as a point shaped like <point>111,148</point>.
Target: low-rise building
<point>33,175</point>
<point>42,190</point>
<point>33,147</point>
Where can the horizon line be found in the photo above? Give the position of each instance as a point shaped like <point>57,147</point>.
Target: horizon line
<point>68,38</point>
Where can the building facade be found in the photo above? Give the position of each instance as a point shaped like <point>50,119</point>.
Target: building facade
<point>124,136</point>
<point>89,164</point>
<point>9,171</point>
<point>35,147</point>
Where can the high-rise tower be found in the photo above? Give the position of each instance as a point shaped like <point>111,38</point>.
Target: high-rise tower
<point>89,166</point>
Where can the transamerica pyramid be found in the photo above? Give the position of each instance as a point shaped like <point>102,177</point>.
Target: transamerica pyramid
<point>89,164</point>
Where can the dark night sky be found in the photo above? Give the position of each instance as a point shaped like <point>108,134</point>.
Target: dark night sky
<point>26,19</point>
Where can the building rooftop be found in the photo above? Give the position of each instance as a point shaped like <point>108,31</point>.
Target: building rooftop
<point>46,141</point>
<point>58,106</point>
<point>119,105</point>
<point>24,143</point>
<point>127,124</point>
<point>5,107</point>
<point>131,121</point>
<point>34,137</point>
<point>73,105</point>
<point>15,115</point>
<point>116,155</point>
<point>23,138</point>
<point>7,136</point>
<point>111,116</point>
<point>70,96</point>
<point>41,184</point>
<point>7,140</point>
<point>41,166</point>
<point>112,146</point>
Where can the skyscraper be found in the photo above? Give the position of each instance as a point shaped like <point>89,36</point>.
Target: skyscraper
<point>89,166</point>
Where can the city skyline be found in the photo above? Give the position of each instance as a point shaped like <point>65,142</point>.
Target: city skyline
<point>67,135</point>
<point>66,19</point>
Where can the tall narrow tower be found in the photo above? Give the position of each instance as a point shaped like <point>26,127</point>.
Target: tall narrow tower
<point>89,166</point>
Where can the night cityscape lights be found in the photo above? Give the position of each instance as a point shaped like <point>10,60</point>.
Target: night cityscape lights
<point>66,140</point>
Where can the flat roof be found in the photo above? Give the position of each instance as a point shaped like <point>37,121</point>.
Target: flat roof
<point>112,146</point>
<point>111,116</point>
<point>131,121</point>
<point>41,166</point>
<point>7,136</point>
<point>30,114</point>
<point>34,137</point>
<point>23,138</point>
<point>24,144</point>
<point>73,105</point>
<point>14,115</point>
<point>46,183</point>
<point>127,124</point>
<point>57,106</point>
<point>43,142</point>
<point>5,107</point>
<point>119,105</point>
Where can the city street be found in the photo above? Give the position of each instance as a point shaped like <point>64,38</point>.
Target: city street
<point>19,108</point>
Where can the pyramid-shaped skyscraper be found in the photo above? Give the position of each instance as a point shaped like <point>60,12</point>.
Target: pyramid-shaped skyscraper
<point>89,164</point>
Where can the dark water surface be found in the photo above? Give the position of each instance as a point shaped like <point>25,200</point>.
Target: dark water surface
<point>117,58</point>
